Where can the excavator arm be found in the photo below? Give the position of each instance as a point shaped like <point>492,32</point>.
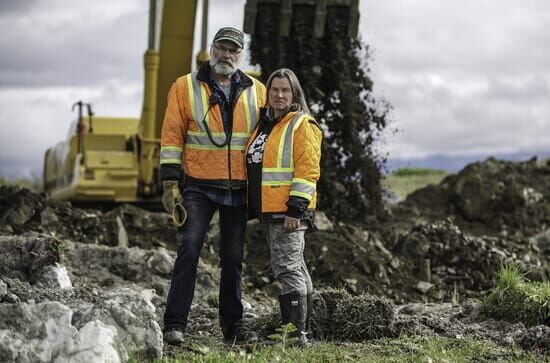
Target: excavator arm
<point>169,55</point>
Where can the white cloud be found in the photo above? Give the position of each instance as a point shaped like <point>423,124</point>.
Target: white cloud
<point>467,77</point>
<point>34,119</point>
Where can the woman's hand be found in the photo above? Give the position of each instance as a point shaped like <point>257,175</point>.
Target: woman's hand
<point>291,223</point>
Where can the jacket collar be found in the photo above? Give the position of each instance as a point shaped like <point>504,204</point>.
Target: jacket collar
<point>203,75</point>
<point>266,114</point>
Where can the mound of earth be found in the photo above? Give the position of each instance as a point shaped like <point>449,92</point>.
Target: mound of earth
<point>22,211</point>
<point>428,251</point>
<point>72,274</point>
<point>493,197</point>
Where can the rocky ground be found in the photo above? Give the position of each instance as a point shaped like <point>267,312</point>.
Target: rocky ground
<point>84,284</point>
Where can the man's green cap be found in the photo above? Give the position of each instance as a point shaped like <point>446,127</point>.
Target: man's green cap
<point>232,34</point>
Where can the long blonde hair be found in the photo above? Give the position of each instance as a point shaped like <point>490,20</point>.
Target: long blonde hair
<point>298,98</point>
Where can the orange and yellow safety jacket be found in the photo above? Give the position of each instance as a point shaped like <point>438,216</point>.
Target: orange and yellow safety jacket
<point>189,117</point>
<point>291,163</point>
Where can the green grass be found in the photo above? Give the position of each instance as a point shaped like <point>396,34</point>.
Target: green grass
<point>406,180</point>
<point>417,172</point>
<point>404,349</point>
<point>34,183</point>
<point>515,299</point>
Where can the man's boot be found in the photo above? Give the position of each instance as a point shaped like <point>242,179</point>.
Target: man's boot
<point>173,337</point>
<point>238,333</point>
<point>294,310</point>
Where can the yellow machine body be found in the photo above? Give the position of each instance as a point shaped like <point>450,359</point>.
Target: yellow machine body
<point>117,159</point>
<point>105,170</point>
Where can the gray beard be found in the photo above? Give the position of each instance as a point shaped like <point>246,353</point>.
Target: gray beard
<point>223,69</point>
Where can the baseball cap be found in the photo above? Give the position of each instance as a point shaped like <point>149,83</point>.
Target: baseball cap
<point>232,34</point>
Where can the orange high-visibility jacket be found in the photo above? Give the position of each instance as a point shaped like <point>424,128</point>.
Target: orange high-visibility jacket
<point>184,133</point>
<point>291,162</point>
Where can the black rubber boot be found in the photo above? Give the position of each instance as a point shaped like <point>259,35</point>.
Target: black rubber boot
<point>294,310</point>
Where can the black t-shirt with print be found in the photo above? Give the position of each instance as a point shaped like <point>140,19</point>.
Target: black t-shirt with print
<point>254,161</point>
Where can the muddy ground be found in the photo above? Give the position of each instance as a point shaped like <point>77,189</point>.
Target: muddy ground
<point>421,269</point>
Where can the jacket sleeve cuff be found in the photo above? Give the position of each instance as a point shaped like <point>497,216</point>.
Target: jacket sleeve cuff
<point>296,207</point>
<point>170,172</point>
<point>294,212</point>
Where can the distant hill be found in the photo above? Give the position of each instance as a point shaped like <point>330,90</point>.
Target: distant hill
<point>32,169</point>
<point>455,163</point>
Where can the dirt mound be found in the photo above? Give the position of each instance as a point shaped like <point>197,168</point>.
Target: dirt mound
<point>426,252</point>
<point>429,262</point>
<point>455,262</point>
<point>493,197</point>
<point>444,242</point>
<point>423,254</point>
<point>23,211</point>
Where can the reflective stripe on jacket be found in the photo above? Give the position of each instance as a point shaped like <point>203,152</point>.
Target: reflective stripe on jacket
<point>184,134</point>
<point>291,162</point>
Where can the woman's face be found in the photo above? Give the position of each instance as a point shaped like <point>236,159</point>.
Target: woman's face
<point>280,95</point>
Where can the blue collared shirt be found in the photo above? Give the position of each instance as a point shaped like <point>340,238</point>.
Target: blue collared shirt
<point>226,106</point>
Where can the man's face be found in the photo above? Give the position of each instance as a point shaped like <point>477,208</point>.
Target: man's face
<point>224,57</point>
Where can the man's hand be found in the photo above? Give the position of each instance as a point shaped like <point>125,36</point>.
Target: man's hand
<point>291,223</point>
<point>171,195</point>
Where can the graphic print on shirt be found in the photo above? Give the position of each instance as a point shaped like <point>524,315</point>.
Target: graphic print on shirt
<point>256,149</point>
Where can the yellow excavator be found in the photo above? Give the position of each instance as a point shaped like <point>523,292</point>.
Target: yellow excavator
<point>108,159</point>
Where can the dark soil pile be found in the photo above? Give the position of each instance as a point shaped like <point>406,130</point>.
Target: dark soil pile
<point>22,210</point>
<point>493,197</point>
<point>428,251</point>
<point>422,254</point>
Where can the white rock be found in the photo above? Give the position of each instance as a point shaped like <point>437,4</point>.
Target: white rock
<point>161,262</point>
<point>322,222</point>
<point>148,295</point>
<point>95,343</point>
<point>3,289</point>
<point>33,333</point>
<point>122,236</point>
<point>424,286</point>
<point>55,276</point>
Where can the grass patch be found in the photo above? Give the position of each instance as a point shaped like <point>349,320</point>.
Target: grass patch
<point>406,180</point>
<point>405,349</point>
<point>34,183</point>
<point>418,172</point>
<point>515,299</point>
<point>337,315</point>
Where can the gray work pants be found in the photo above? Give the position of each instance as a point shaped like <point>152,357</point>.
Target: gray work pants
<point>287,257</point>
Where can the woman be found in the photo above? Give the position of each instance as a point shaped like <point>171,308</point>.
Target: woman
<point>283,157</point>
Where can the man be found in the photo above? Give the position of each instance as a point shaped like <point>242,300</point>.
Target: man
<point>209,117</point>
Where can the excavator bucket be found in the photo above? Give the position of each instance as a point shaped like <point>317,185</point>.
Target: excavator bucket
<point>287,9</point>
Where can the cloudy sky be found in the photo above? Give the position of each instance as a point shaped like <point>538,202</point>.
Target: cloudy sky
<point>467,77</point>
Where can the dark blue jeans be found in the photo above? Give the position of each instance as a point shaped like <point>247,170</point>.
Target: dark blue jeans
<point>200,210</point>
